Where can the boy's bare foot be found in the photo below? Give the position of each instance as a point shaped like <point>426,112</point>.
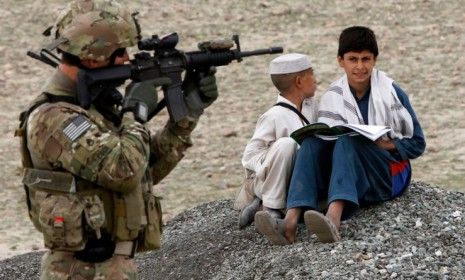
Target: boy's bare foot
<point>290,230</point>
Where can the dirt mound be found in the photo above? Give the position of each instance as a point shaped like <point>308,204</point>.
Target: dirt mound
<point>403,238</point>
<point>421,46</point>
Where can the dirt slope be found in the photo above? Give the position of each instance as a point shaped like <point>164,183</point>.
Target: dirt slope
<point>421,44</point>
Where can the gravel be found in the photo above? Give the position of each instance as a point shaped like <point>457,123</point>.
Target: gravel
<point>417,236</point>
<point>421,47</point>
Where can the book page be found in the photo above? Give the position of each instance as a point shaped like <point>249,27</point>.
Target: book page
<point>372,132</point>
<point>325,132</point>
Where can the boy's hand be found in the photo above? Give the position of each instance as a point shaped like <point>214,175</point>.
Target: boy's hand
<point>385,144</point>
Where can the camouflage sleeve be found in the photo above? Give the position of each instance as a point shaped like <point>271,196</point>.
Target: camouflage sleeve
<point>71,138</point>
<point>168,146</point>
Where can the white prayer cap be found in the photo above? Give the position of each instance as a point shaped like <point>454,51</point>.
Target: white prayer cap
<point>290,63</point>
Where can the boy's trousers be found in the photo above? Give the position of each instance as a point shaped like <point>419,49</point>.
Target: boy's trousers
<point>351,168</point>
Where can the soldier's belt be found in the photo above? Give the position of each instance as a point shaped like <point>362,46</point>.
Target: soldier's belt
<point>49,180</point>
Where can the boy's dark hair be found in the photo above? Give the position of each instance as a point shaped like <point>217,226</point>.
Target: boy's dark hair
<point>357,39</point>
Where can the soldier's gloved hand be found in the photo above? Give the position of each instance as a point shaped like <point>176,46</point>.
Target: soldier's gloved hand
<point>141,98</point>
<point>200,91</point>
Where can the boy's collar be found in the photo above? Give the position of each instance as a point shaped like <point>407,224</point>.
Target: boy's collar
<point>366,94</point>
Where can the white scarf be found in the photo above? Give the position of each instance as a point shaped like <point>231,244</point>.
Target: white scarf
<point>338,106</point>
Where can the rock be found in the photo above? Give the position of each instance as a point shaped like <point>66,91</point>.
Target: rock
<point>456,214</point>
<point>230,134</point>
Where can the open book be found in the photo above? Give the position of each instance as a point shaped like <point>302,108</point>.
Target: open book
<point>326,132</point>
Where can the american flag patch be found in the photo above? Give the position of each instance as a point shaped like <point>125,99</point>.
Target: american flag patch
<point>76,128</point>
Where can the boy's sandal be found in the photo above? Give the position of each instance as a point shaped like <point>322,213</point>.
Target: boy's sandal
<point>272,228</point>
<point>318,224</point>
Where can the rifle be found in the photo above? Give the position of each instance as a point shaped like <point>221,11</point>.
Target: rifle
<point>166,61</point>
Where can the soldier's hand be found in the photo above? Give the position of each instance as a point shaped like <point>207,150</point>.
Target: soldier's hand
<point>141,98</point>
<point>200,91</point>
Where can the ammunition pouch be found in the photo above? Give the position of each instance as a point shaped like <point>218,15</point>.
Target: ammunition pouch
<point>64,215</point>
<point>60,218</point>
<point>153,230</point>
<point>128,218</point>
<point>128,226</point>
<point>69,212</point>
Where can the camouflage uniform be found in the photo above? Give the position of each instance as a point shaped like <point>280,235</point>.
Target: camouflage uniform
<point>88,179</point>
<point>58,265</point>
<point>114,159</point>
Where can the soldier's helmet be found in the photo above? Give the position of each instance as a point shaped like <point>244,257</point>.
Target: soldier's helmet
<point>94,29</point>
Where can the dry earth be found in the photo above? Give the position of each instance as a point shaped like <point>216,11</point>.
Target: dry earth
<point>421,43</point>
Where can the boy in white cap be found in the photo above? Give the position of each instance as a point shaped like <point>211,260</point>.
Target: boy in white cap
<point>269,156</point>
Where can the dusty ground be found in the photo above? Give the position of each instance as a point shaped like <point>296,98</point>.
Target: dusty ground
<point>421,44</point>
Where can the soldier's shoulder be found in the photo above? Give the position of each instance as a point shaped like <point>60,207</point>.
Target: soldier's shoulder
<point>54,115</point>
<point>61,108</point>
<point>58,110</point>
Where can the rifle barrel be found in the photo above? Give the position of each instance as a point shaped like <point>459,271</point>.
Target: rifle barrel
<point>270,50</point>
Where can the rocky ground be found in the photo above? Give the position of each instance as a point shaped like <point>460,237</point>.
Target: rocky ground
<point>421,43</point>
<point>418,236</point>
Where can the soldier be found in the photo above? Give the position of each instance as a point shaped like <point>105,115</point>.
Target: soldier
<point>89,172</point>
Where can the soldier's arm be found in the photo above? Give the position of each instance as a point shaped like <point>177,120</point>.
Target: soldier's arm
<point>168,146</point>
<point>69,138</point>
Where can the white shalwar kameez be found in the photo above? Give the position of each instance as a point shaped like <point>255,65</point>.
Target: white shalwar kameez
<point>270,153</point>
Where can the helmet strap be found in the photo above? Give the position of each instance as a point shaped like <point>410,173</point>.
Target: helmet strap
<point>117,53</point>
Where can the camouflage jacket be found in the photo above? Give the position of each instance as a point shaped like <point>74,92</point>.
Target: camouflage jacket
<point>112,157</point>
<point>64,137</point>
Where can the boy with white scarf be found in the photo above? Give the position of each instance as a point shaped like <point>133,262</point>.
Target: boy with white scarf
<point>269,156</point>
<point>351,171</point>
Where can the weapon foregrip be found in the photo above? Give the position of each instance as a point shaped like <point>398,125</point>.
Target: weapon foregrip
<point>196,60</point>
<point>203,60</point>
